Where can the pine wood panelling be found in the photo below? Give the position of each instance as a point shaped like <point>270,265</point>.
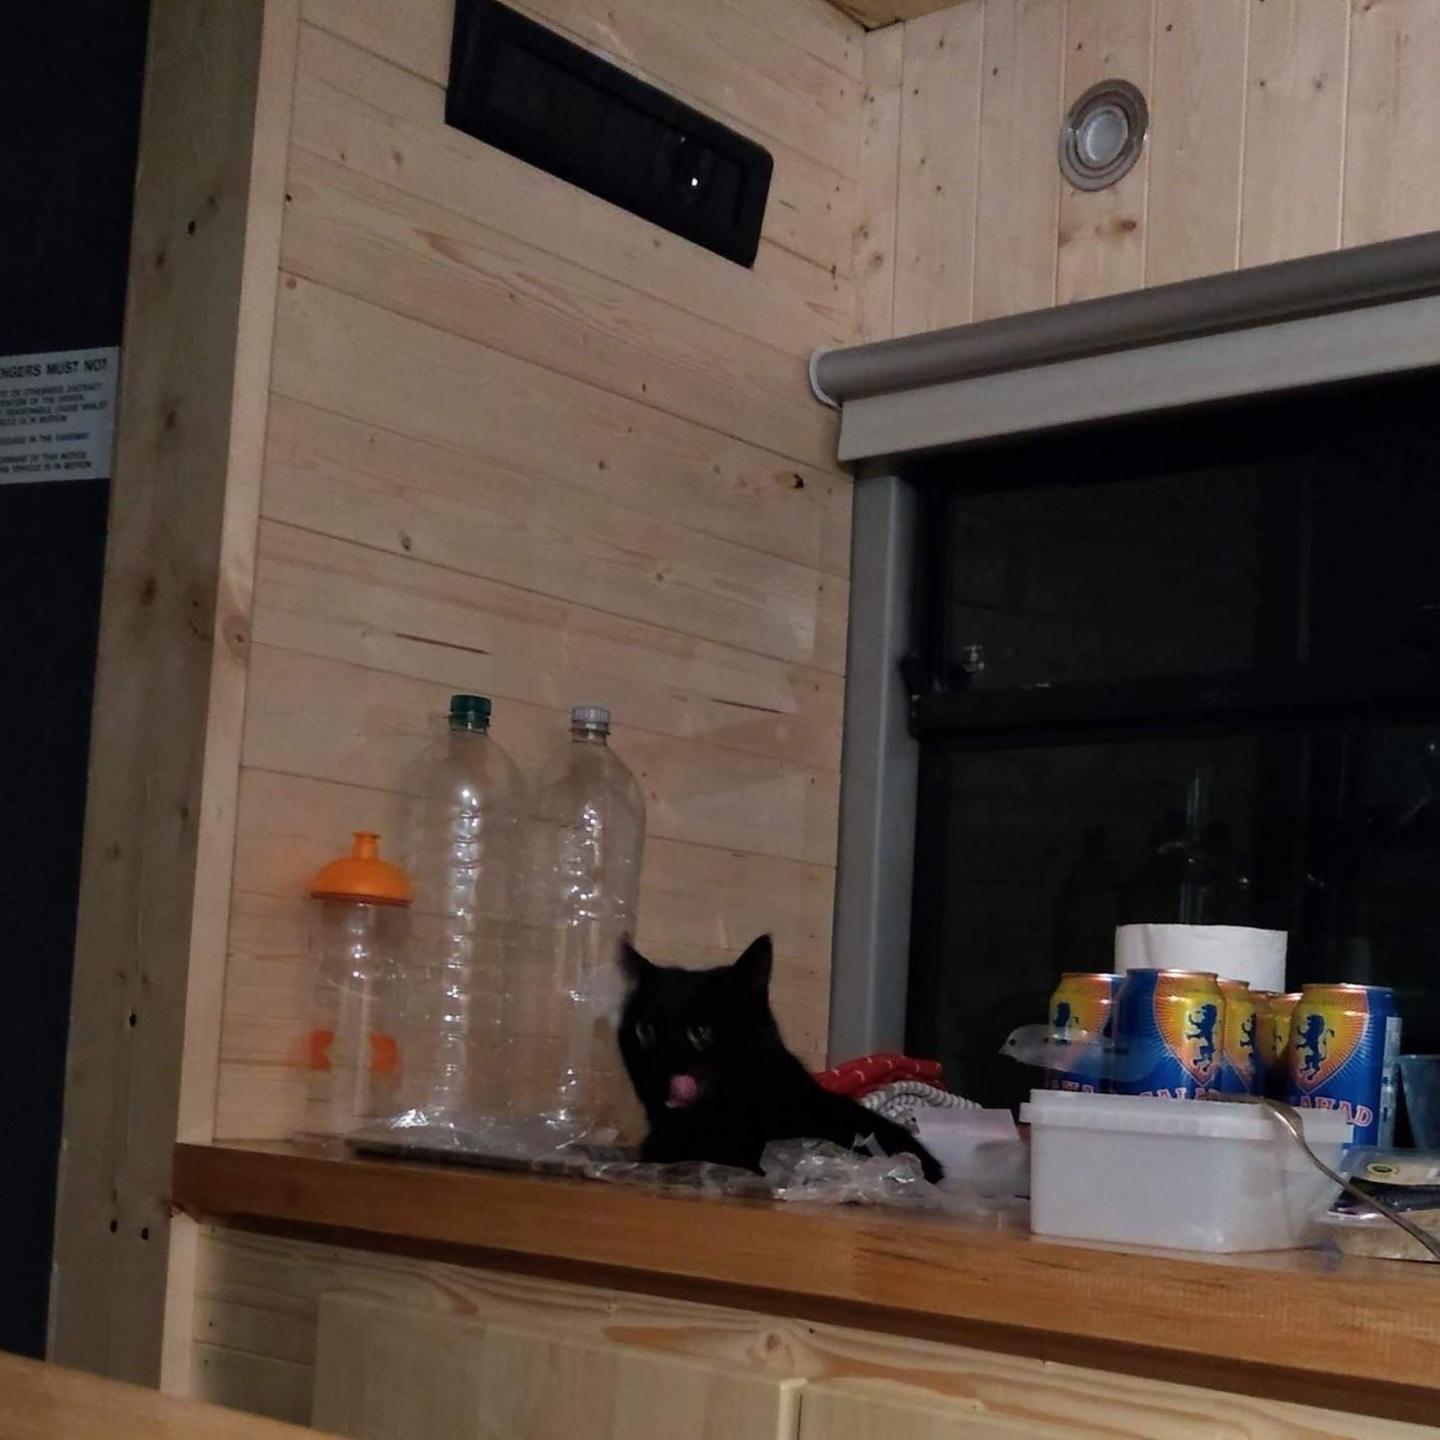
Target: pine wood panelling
<point>267,994</point>
<point>700,905</point>
<point>171,669</point>
<point>1196,139</point>
<point>328,597</point>
<point>726,62</point>
<point>694,791</point>
<point>1069,1404</point>
<point>261,1295</point>
<point>939,152</point>
<point>796,516</point>
<point>811,191</point>
<point>815,27</point>
<point>261,1384</point>
<point>338,353</point>
<point>809,26</point>
<point>454,510</point>
<point>877,14</point>
<point>524,443</point>
<point>696,896</point>
<point>845,1412</point>
<point>374,241</point>
<point>1294,129</point>
<point>48,1402</point>
<point>391,1374</point>
<point>716,57</point>
<point>1102,232</point>
<point>1269,118</point>
<point>875,228</point>
<point>356,108</point>
<point>269,987</point>
<point>249,1281</point>
<point>805,229</point>
<point>1020,110</point>
<point>1392,132</point>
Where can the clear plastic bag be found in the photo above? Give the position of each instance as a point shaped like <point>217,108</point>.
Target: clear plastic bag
<point>1407,1181</point>
<point>1088,1059</point>
<point>815,1172</point>
<point>501,1142</point>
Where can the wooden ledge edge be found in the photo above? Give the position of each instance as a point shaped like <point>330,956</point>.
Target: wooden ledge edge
<point>1356,1335</point>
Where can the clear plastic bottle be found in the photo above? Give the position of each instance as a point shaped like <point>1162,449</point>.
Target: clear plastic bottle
<point>358,937</point>
<point>584,845</point>
<point>466,800</point>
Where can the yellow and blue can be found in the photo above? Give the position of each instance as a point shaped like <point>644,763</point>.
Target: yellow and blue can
<point>1282,1012</point>
<point>1241,1054</point>
<point>1169,1029</point>
<point>1265,1023</point>
<point>1080,1016</point>
<point>1277,1065</point>
<point>1344,1050</point>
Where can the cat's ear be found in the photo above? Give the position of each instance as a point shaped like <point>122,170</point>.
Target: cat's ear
<point>752,969</point>
<point>632,963</point>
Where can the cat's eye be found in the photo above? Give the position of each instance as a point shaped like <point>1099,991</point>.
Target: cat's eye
<point>645,1034</point>
<point>701,1037</point>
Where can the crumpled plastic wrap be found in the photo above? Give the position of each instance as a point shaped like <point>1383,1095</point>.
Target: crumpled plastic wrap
<point>1076,1052</point>
<point>495,1142</point>
<point>1051,1049</point>
<point>818,1172</point>
<point>815,1172</point>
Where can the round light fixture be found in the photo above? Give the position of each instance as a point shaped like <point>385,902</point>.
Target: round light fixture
<point>1103,134</point>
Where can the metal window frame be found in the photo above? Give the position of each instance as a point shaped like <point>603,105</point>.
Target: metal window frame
<point>1370,311</point>
<point>879,768</point>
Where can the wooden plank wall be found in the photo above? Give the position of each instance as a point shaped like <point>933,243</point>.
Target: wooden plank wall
<point>525,444</point>
<point>256,1324</point>
<point>1278,128</point>
<point>171,669</point>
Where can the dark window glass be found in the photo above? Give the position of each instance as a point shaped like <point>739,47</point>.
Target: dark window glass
<point>1158,575</point>
<point>1206,689</point>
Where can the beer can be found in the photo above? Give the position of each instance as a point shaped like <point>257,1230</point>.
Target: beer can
<point>1081,1004</point>
<point>1277,1068</point>
<point>1344,1049</point>
<point>1265,1038</point>
<point>1169,1029</point>
<point>1282,1008</point>
<point>1265,1024</point>
<point>1241,1060</point>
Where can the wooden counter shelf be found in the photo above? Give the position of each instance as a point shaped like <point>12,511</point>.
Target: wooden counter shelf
<point>48,1402</point>
<point>1354,1334</point>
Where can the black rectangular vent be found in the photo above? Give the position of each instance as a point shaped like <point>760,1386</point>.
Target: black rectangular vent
<point>549,102</point>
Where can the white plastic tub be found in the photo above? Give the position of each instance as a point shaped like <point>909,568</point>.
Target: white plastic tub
<point>1185,1174</point>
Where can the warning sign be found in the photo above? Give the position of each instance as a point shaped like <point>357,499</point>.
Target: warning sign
<point>57,415</point>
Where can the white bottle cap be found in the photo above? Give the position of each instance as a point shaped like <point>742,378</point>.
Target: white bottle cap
<point>590,717</point>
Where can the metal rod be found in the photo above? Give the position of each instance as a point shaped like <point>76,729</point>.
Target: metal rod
<point>1286,290</point>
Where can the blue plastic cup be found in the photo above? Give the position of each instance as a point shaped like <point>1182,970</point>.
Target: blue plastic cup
<point>1421,1077</point>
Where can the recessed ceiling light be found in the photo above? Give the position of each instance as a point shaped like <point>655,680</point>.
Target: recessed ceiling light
<point>1103,134</point>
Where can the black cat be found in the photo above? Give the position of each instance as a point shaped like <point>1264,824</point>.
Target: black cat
<point>717,1083</point>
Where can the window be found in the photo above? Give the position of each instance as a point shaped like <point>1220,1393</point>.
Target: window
<point>1176,670</point>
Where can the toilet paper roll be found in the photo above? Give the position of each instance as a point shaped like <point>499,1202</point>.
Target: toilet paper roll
<point>1233,952</point>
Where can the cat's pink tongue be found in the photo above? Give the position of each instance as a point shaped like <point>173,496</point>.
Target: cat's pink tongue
<point>683,1090</point>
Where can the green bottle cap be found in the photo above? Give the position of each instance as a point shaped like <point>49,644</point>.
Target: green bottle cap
<point>469,712</point>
